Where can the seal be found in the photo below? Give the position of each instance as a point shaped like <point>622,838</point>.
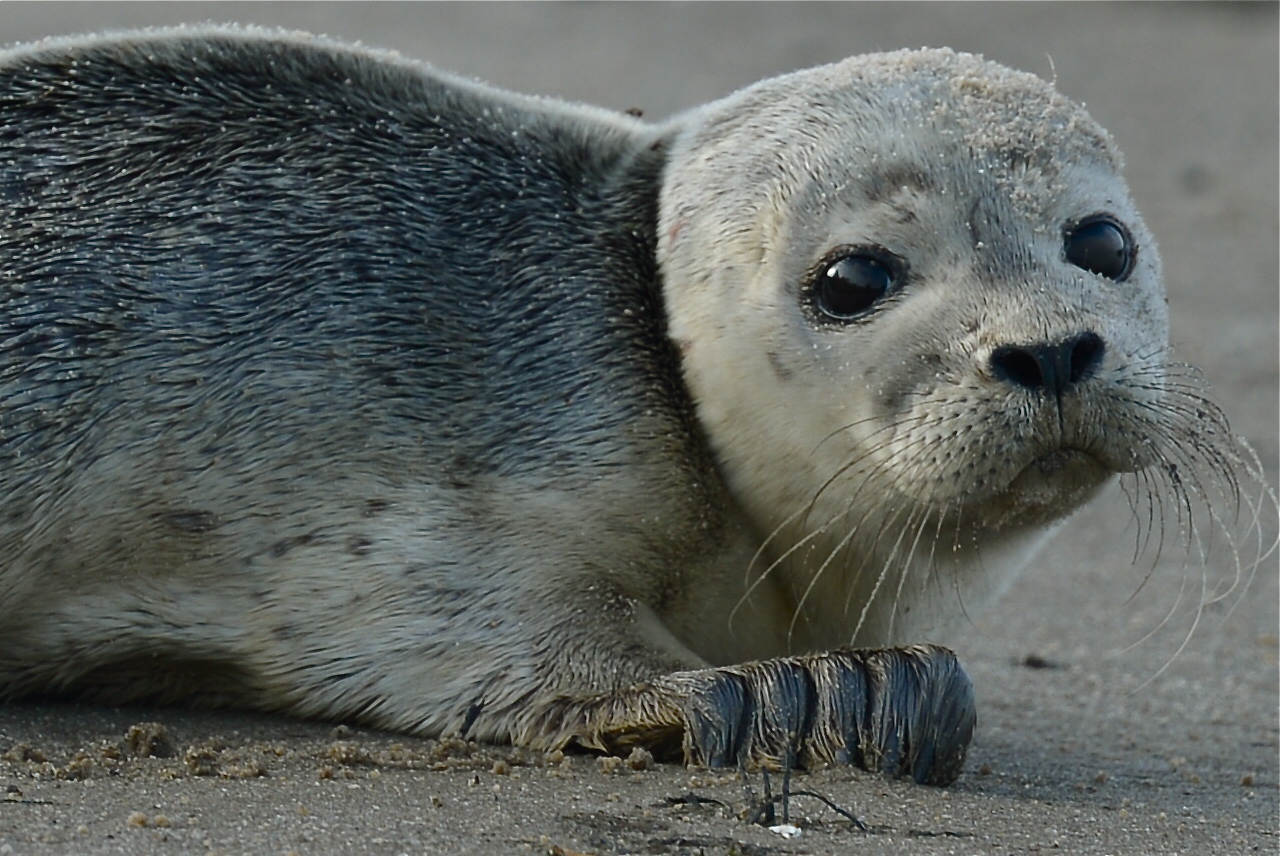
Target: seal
<point>339,386</point>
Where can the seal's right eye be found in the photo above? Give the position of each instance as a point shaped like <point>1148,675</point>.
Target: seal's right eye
<point>847,286</point>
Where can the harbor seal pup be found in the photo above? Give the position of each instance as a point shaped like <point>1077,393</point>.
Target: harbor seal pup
<point>338,386</point>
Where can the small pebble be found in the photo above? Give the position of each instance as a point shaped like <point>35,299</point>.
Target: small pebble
<point>640,759</point>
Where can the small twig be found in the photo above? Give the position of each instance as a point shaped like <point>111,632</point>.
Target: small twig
<point>690,798</point>
<point>786,786</point>
<point>765,810</point>
<point>769,799</point>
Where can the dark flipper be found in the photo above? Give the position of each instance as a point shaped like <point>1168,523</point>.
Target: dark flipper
<point>901,711</point>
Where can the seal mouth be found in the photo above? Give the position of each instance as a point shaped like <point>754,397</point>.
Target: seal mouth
<point>1059,470</point>
<point>1048,487</point>
<point>1057,461</point>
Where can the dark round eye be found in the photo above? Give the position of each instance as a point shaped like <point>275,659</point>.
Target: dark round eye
<point>850,285</point>
<point>1101,245</point>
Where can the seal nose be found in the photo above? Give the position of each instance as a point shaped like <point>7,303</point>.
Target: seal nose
<point>1051,367</point>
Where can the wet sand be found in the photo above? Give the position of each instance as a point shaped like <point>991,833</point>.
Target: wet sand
<point>1131,734</point>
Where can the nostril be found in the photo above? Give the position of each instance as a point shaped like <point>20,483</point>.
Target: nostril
<point>1054,367</point>
<point>1018,366</point>
<point>1086,354</point>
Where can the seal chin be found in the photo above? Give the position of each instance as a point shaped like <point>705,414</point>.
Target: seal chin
<point>1049,487</point>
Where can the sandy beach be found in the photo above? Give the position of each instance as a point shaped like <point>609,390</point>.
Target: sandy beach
<point>1120,713</point>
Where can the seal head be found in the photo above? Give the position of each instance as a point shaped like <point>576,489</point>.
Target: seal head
<point>917,308</point>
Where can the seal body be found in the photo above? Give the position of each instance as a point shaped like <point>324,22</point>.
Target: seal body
<point>335,385</point>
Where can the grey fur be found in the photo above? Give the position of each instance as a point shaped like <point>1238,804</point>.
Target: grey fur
<point>338,386</point>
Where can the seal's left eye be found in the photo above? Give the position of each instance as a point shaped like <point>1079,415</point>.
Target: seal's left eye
<point>851,284</point>
<point>1101,245</point>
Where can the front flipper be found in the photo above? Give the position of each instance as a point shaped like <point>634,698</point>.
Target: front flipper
<point>902,711</point>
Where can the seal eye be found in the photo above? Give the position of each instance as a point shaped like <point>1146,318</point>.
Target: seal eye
<point>851,284</point>
<point>1101,245</point>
